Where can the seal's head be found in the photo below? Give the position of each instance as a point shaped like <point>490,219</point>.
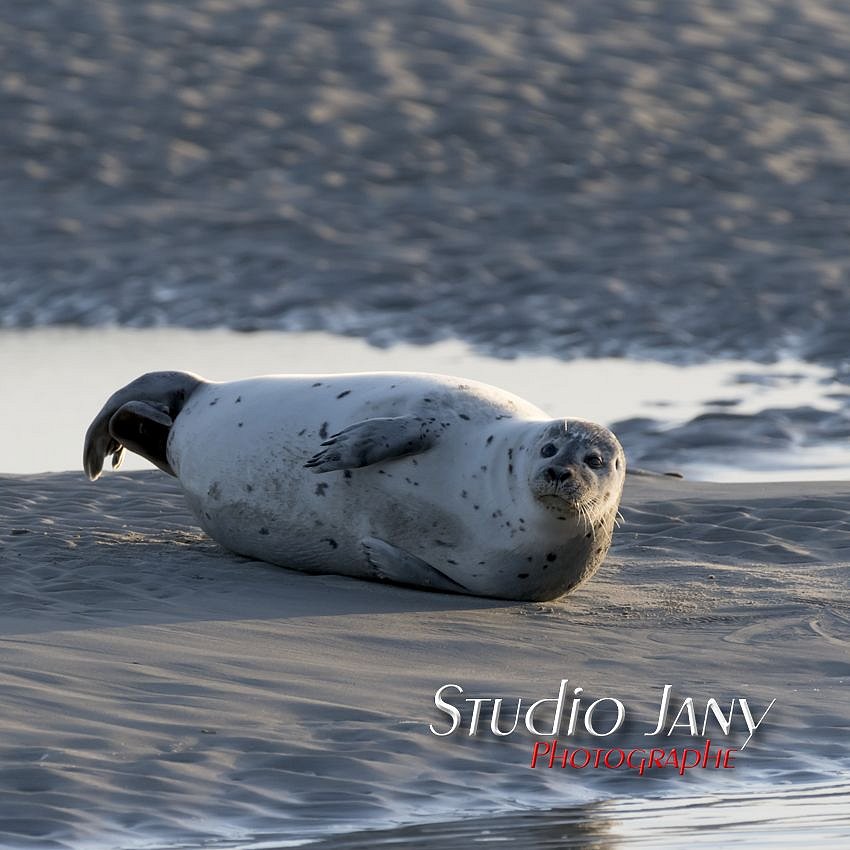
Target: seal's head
<point>577,466</point>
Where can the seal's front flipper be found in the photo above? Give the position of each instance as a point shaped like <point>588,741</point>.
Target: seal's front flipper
<point>372,441</point>
<point>393,564</point>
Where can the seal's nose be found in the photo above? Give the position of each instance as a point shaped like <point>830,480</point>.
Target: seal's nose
<point>559,474</point>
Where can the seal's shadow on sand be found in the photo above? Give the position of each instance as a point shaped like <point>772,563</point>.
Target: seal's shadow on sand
<point>133,548</point>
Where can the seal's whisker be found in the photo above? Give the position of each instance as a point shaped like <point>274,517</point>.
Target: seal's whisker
<point>588,521</point>
<point>591,507</point>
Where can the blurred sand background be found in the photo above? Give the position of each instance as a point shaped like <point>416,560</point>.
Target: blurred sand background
<point>624,176</point>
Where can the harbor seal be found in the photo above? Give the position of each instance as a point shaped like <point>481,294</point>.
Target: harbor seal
<point>421,479</point>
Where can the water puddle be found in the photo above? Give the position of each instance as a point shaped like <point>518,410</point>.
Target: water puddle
<point>725,421</point>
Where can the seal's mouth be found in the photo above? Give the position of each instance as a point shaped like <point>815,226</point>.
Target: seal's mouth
<point>562,501</point>
<point>584,511</point>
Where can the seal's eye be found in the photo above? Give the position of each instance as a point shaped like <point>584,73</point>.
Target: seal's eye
<point>594,461</point>
<point>548,450</point>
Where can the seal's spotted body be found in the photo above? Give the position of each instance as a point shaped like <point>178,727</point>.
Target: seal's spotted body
<point>421,479</point>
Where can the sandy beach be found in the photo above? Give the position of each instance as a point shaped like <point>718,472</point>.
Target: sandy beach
<point>157,687</point>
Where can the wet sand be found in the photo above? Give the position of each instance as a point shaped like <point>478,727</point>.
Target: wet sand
<point>159,689</point>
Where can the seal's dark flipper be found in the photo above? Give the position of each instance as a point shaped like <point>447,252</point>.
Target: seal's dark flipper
<point>143,428</point>
<point>138,417</point>
<point>372,441</point>
<point>393,564</point>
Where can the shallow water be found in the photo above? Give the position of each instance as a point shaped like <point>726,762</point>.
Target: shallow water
<point>793,417</point>
<point>783,817</point>
<point>818,816</point>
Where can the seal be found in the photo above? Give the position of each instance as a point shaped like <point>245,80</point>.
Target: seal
<point>424,480</point>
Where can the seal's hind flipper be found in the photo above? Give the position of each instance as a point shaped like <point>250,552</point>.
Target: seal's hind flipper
<point>393,564</point>
<point>143,428</point>
<point>372,441</point>
<point>138,416</point>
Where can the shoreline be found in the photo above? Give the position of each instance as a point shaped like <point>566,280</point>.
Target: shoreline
<point>143,662</point>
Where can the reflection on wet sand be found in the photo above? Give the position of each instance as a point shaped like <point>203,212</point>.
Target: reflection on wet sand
<point>788,817</point>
